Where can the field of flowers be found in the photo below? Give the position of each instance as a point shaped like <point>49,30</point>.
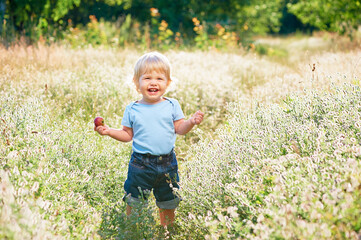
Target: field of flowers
<point>278,155</point>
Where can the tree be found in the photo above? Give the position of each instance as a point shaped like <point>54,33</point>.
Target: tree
<point>33,16</point>
<point>330,15</point>
<point>2,13</point>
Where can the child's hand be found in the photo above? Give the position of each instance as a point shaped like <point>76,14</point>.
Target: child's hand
<point>197,118</point>
<point>102,130</point>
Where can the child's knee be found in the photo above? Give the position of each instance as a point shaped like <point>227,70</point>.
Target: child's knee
<point>170,204</point>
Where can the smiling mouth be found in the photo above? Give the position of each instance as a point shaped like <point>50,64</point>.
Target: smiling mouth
<point>153,90</point>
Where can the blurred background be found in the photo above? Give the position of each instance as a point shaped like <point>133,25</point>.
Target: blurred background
<point>164,24</point>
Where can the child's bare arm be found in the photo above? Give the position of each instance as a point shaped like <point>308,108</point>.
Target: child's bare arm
<point>184,126</point>
<point>123,135</point>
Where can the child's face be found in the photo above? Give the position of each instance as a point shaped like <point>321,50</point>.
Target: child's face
<point>152,86</point>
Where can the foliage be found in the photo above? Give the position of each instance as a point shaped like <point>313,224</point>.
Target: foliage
<point>35,18</point>
<point>261,17</point>
<point>100,33</point>
<point>162,24</point>
<point>325,14</point>
<point>161,35</point>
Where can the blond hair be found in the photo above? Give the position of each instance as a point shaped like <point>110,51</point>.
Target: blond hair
<point>153,61</point>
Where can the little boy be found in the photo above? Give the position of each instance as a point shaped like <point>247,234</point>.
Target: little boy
<point>152,123</point>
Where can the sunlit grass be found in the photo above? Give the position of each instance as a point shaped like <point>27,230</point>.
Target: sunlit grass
<point>259,166</point>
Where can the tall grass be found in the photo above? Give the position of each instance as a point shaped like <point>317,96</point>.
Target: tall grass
<point>278,155</point>
<point>283,171</point>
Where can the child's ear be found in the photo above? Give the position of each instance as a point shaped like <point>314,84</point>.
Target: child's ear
<point>136,83</point>
<point>169,82</point>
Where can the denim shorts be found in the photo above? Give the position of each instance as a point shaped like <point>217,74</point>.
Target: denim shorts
<point>148,172</point>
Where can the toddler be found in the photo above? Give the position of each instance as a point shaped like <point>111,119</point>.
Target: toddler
<point>152,123</point>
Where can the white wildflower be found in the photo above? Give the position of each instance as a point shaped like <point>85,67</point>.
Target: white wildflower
<point>260,218</point>
<point>191,216</point>
<point>232,211</point>
<point>319,205</point>
<point>35,187</point>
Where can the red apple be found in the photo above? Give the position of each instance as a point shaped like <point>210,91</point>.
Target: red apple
<point>98,121</point>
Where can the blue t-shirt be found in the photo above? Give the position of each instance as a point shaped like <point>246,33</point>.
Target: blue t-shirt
<point>153,127</point>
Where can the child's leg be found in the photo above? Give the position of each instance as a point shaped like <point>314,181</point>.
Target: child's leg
<point>129,210</point>
<point>166,217</point>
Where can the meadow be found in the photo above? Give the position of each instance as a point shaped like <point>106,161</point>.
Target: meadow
<point>278,155</point>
